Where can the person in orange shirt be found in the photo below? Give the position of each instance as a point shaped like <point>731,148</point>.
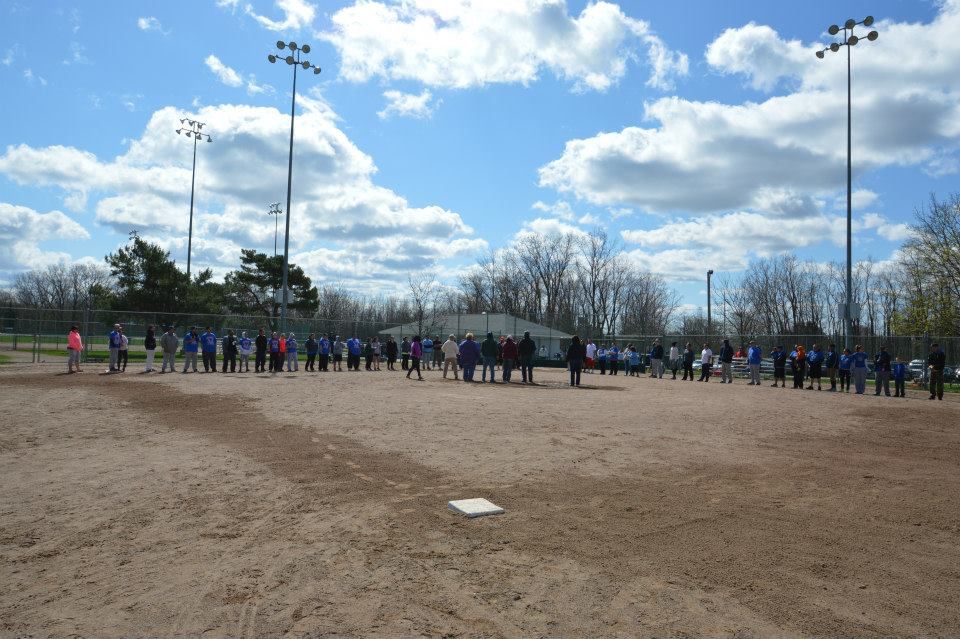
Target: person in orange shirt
<point>74,348</point>
<point>283,352</point>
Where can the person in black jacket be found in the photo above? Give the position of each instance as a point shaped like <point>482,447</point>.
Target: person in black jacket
<point>391,353</point>
<point>576,353</point>
<point>688,357</point>
<point>882,364</point>
<point>779,356</point>
<point>526,349</point>
<point>936,360</point>
<point>726,362</point>
<point>150,345</point>
<point>260,363</point>
<point>830,362</point>
<point>230,352</point>
<point>656,360</point>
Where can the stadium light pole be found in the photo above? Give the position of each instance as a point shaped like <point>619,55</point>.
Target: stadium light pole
<point>295,61</point>
<point>275,211</point>
<point>709,319</point>
<point>850,40</point>
<point>192,129</point>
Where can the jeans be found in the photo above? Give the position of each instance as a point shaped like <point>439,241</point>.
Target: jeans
<point>122,364</point>
<point>882,381</point>
<point>260,363</point>
<point>526,369</point>
<point>575,368</point>
<point>311,357</point>
<point>603,366</point>
<point>168,358</point>
<point>244,362</point>
<point>230,359</point>
<point>614,366</point>
<point>490,362</point>
<point>844,377</point>
<point>936,383</point>
<point>899,387</point>
<point>687,370</point>
<point>209,362</point>
<point>293,364</point>
<point>405,361</point>
<point>324,362</point>
<point>705,370</point>
<point>468,370</point>
<point>755,374</point>
<point>507,369</point>
<point>860,380</point>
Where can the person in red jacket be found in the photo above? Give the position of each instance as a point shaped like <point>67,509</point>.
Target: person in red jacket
<point>510,355</point>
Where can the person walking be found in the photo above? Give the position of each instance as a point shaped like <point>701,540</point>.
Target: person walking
<point>208,348</point>
<point>450,350</point>
<point>706,362</point>
<point>74,348</point>
<point>859,370</point>
<point>576,353</point>
<point>674,359</point>
<point>124,351</point>
<point>779,356</point>
<point>510,356</point>
<point>293,364</point>
<point>525,350</point>
<point>488,350</point>
<point>936,360</point>
<point>246,350</point>
<point>899,378</point>
<point>260,363</point>
<point>416,353</point>
<point>656,360</point>
<point>613,358</point>
<point>229,349</point>
<point>324,347</point>
<point>830,362</point>
<point>169,344</point>
<point>754,359</point>
<point>844,368</point>
<point>881,368</point>
<point>688,357</point>
<point>336,349</point>
<point>312,349</point>
<point>191,344</point>
<point>150,346</point>
<point>815,366</point>
<point>726,362</point>
<point>113,344</point>
<point>274,346</point>
<point>392,353</point>
<point>404,353</point>
<point>469,356</point>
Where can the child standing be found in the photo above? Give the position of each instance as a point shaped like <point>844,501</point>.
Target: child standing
<point>899,378</point>
<point>74,348</point>
<point>843,372</point>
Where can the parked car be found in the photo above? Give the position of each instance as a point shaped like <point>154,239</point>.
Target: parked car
<point>949,374</point>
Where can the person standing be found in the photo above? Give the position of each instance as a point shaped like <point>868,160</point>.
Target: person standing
<point>688,357</point>
<point>274,346</point>
<point>260,363</point>
<point>293,364</point>
<point>246,349</point>
<point>427,345</point>
<point>613,358</point>
<point>754,359</point>
<point>859,370</point>
<point>488,350</point>
<point>208,346</point>
<point>726,362</point>
<point>312,349</point>
<point>169,344</point>
<point>469,356</point>
<point>656,360</point>
<point>392,353</point>
<point>591,356</point>
<point>124,350</point>
<point>798,359</point>
<point>706,362</point>
<point>881,368</point>
<point>510,356</point>
<point>899,379</point>
<point>416,353</point>
<point>779,356</point>
<point>575,356</point>
<point>283,351</point>
<point>404,353</point>
<point>634,356</point>
<point>368,354</point>
<point>674,359</point>
<point>602,359</point>
<point>936,360</point>
<point>450,350</point>
<point>228,347</point>
<point>844,366</point>
<point>525,349</point>
<point>114,347</point>
<point>150,346</point>
<point>830,363</point>
<point>336,349</point>
<point>74,348</point>
<point>377,351</point>
<point>324,348</point>
<point>815,364</point>
<point>354,349</point>
<point>191,344</point>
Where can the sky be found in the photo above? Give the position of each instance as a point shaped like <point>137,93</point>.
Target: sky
<point>698,134</point>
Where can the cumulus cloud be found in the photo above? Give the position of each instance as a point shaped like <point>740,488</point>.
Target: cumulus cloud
<point>338,209</point>
<point>472,43</point>
<point>708,157</point>
<point>297,14</point>
<point>150,23</point>
<point>23,230</point>
<point>231,78</point>
<point>891,232</point>
<point>408,105</point>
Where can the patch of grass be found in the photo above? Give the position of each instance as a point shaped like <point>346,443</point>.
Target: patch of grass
<point>5,359</point>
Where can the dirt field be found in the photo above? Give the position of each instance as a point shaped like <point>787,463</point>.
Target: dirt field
<point>315,506</point>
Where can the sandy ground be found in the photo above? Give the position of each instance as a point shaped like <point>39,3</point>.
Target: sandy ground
<point>315,506</point>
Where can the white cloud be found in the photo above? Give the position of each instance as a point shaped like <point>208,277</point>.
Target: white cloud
<point>297,14</point>
<point>151,23</point>
<point>706,157</point>
<point>337,211</point>
<point>78,55</point>
<point>10,55</point>
<point>590,220</point>
<point>231,78</point>
<point>31,78</point>
<point>883,228</point>
<point>471,43</point>
<point>408,105</point>
<point>560,208</point>
<point>23,229</point>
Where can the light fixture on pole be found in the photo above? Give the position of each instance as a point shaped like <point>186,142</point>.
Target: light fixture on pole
<point>850,40</point>
<point>709,309</point>
<point>275,211</point>
<point>192,129</point>
<point>295,61</point>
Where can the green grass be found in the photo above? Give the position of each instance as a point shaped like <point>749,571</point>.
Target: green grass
<point>5,359</point>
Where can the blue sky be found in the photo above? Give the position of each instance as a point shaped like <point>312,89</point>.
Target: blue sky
<point>699,134</point>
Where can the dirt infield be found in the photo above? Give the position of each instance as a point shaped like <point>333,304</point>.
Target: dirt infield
<point>314,506</point>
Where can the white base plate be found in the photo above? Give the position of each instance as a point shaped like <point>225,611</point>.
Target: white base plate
<point>474,507</point>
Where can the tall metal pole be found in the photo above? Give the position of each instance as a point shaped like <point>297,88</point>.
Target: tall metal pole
<point>709,309</point>
<point>848,310</point>
<point>286,232</point>
<point>193,181</point>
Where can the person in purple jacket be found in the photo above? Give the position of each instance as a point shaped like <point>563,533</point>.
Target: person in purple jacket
<point>469,355</point>
<point>416,352</point>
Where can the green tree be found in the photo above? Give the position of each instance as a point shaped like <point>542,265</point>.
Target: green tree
<point>252,289</point>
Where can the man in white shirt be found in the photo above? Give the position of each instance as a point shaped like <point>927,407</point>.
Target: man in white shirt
<point>450,350</point>
<point>706,363</point>
<point>591,355</point>
<point>674,358</point>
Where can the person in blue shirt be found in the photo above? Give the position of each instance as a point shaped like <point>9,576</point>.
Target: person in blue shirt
<point>114,346</point>
<point>246,349</point>
<point>191,344</point>
<point>273,345</point>
<point>860,370</point>
<point>899,378</point>
<point>613,356</point>
<point>208,345</point>
<point>815,362</point>
<point>354,348</point>
<point>754,358</point>
<point>602,360</point>
<point>426,345</point>
<point>844,368</point>
<point>830,363</point>
<point>293,364</point>
<point>324,347</point>
<point>313,347</point>
<point>635,362</point>
<point>779,356</point>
